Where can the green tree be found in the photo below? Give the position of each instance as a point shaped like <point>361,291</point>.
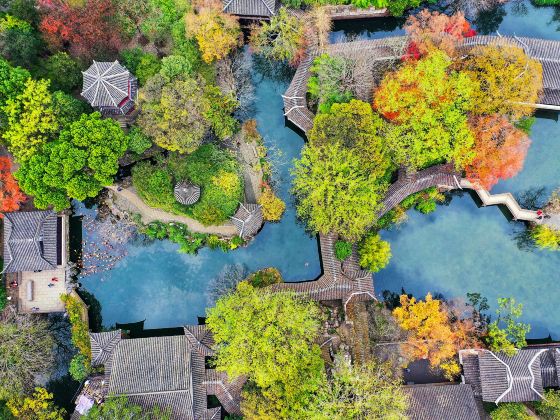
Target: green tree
<point>138,142</point>
<point>12,83</point>
<point>174,66</point>
<point>342,250</point>
<point>326,85</point>
<point>26,349</point>
<point>335,191</point>
<point>427,104</point>
<point>19,42</point>
<point>31,120</point>
<point>38,406</point>
<point>270,337</point>
<point>510,411</point>
<point>120,408</point>
<point>354,126</point>
<point>549,407</point>
<point>505,334</point>
<point>80,367</point>
<point>63,72</point>
<point>68,109</point>
<point>78,165</point>
<point>374,253</point>
<point>281,39</point>
<point>367,391</point>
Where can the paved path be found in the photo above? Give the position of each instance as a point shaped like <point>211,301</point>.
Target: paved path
<point>128,199</point>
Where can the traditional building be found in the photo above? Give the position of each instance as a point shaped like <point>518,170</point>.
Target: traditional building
<point>186,193</point>
<point>498,378</point>
<point>110,87</point>
<point>443,401</point>
<point>168,372</point>
<point>35,257</point>
<point>248,219</point>
<point>252,9</point>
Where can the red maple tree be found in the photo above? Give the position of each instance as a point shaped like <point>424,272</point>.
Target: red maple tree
<point>500,150</point>
<point>10,195</point>
<point>85,31</point>
<point>436,30</point>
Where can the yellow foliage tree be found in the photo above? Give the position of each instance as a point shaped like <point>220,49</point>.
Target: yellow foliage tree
<point>433,336</point>
<point>507,80</point>
<point>38,406</point>
<point>272,206</point>
<point>216,32</point>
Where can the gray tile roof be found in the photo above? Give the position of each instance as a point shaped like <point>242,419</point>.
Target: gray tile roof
<point>186,193</point>
<point>519,378</point>
<point>442,401</point>
<point>102,346</point>
<point>106,84</point>
<point>248,219</point>
<point>30,242</point>
<point>260,8</point>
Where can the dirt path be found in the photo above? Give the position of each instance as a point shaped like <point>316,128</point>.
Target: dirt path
<point>127,199</point>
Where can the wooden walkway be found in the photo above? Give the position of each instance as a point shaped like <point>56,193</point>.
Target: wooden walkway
<point>338,282</point>
<point>505,199</point>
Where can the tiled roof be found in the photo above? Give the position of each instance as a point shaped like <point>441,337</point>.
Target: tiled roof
<point>102,346</point>
<point>186,193</point>
<point>30,242</point>
<point>260,8</point>
<point>519,378</point>
<point>106,84</point>
<point>442,401</point>
<point>248,219</point>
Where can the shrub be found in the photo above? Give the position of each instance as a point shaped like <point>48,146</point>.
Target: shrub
<point>80,329</point>
<point>545,2</point>
<point>549,407</point>
<point>546,237</point>
<point>374,253</point>
<point>265,277</point>
<point>138,142</point>
<point>272,206</point>
<point>188,242</point>
<point>174,66</point>
<point>509,411</point>
<point>154,184</point>
<point>342,250</point>
<point>80,367</point>
<point>143,65</point>
<point>423,201</point>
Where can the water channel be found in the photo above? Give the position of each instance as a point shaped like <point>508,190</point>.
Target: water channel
<point>457,249</point>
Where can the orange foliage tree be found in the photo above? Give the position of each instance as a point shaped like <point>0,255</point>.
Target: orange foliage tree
<point>10,195</point>
<point>85,30</point>
<point>500,150</point>
<point>436,30</point>
<point>432,334</point>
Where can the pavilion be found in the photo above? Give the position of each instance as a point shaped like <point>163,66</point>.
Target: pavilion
<point>110,87</point>
<point>186,193</point>
<point>252,9</point>
<point>248,219</point>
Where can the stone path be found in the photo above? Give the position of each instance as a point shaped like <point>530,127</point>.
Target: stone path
<point>128,199</point>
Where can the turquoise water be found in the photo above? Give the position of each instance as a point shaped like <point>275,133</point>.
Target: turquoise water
<point>168,289</point>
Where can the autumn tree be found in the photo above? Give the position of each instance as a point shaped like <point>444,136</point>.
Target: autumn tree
<point>427,103</point>
<point>437,30</point>
<point>270,338</point>
<point>499,148</point>
<point>432,335</point>
<point>281,39</point>
<point>507,80</point>
<point>38,406</point>
<point>84,30</point>
<point>77,165</point>
<point>272,206</point>
<point>10,195</point>
<point>31,120</point>
<point>335,191</point>
<point>216,32</point>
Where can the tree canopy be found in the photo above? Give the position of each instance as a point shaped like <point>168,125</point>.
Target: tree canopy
<point>427,104</point>
<point>77,165</point>
<point>270,338</point>
<point>335,191</point>
<point>38,406</point>
<point>121,408</point>
<point>26,349</point>
<point>505,334</point>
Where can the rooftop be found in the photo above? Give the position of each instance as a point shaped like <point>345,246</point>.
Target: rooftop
<point>257,8</point>
<point>106,84</point>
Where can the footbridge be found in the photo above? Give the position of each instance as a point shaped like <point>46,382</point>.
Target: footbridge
<point>376,51</point>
